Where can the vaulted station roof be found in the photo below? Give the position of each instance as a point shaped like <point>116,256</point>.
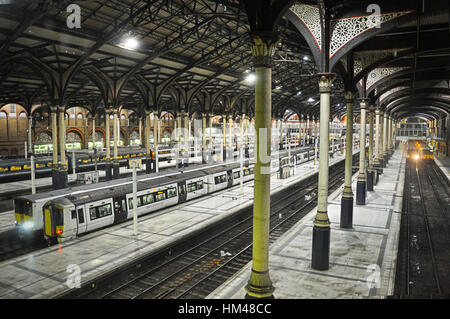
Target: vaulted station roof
<point>195,55</point>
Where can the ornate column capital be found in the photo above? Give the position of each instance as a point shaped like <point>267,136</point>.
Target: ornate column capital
<point>263,48</point>
<point>325,80</point>
<point>53,109</point>
<point>363,103</point>
<point>349,97</point>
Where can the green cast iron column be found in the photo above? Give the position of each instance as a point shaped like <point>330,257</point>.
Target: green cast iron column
<point>361,183</point>
<point>321,229</point>
<point>347,196</point>
<point>259,284</point>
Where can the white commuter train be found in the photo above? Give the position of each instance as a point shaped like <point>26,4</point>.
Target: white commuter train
<point>63,214</point>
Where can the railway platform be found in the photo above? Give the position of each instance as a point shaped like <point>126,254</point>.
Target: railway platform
<point>45,273</point>
<point>443,162</point>
<point>362,259</point>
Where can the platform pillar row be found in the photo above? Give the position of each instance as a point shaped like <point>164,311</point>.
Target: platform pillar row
<point>347,196</point>
<point>263,48</point>
<point>361,183</point>
<point>371,170</point>
<point>321,229</point>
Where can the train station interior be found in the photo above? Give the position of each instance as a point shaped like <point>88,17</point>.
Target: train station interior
<point>231,149</point>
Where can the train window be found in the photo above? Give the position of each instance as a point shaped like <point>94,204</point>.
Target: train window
<point>237,175</point>
<point>217,180</point>
<point>252,171</point>
<point>192,187</point>
<point>182,190</point>
<point>160,196</point>
<point>200,185</point>
<point>80,216</point>
<point>59,217</point>
<point>99,212</point>
<point>74,214</point>
<point>246,172</point>
<point>171,192</point>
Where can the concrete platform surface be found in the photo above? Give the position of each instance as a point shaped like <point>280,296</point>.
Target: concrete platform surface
<point>43,274</point>
<point>362,259</point>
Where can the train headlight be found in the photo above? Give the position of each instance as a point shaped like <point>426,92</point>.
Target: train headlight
<point>416,157</point>
<point>28,225</point>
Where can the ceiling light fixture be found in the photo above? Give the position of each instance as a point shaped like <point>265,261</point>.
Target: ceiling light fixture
<point>129,43</point>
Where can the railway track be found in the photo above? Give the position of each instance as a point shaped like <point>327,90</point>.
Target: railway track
<point>423,268</point>
<point>197,271</point>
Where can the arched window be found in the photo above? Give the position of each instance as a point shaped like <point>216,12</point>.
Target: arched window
<point>3,115</point>
<point>79,116</point>
<point>23,115</point>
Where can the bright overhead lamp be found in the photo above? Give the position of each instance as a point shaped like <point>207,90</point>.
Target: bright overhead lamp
<point>279,87</point>
<point>310,100</point>
<point>299,93</point>
<point>251,78</point>
<point>129,43</point>
<point>305,58</point>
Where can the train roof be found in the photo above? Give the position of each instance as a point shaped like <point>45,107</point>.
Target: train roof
<point>82,189</point>
<point>115,191</point>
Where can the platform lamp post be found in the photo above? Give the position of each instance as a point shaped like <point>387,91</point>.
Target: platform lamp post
<point>371,171</point>
<point>321,228</point>
<point>347,196</point>
<point>362,181</point>
<point>263,48</point>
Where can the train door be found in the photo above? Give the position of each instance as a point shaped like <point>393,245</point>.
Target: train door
<point>53,220</point>
<point>230,178</point>
<point>81,226</point>
<point>182,193</point>
<point>120,209</point>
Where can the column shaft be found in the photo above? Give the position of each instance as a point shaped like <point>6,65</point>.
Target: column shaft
<point>321,229</point>
<point>347,196</point>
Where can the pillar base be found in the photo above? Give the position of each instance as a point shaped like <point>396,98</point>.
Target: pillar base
<point>370,180</point>
<point>116,170</point>
<point>108,171</point>
<point>224,155</point>
<point>59,178</point>
<point>259,286</point>
<point>320,248</point>
<point>148,165</point>
<point>385,160</point>
<point>346,212</point>
<point>361,193</point>
<point>380,166</point>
